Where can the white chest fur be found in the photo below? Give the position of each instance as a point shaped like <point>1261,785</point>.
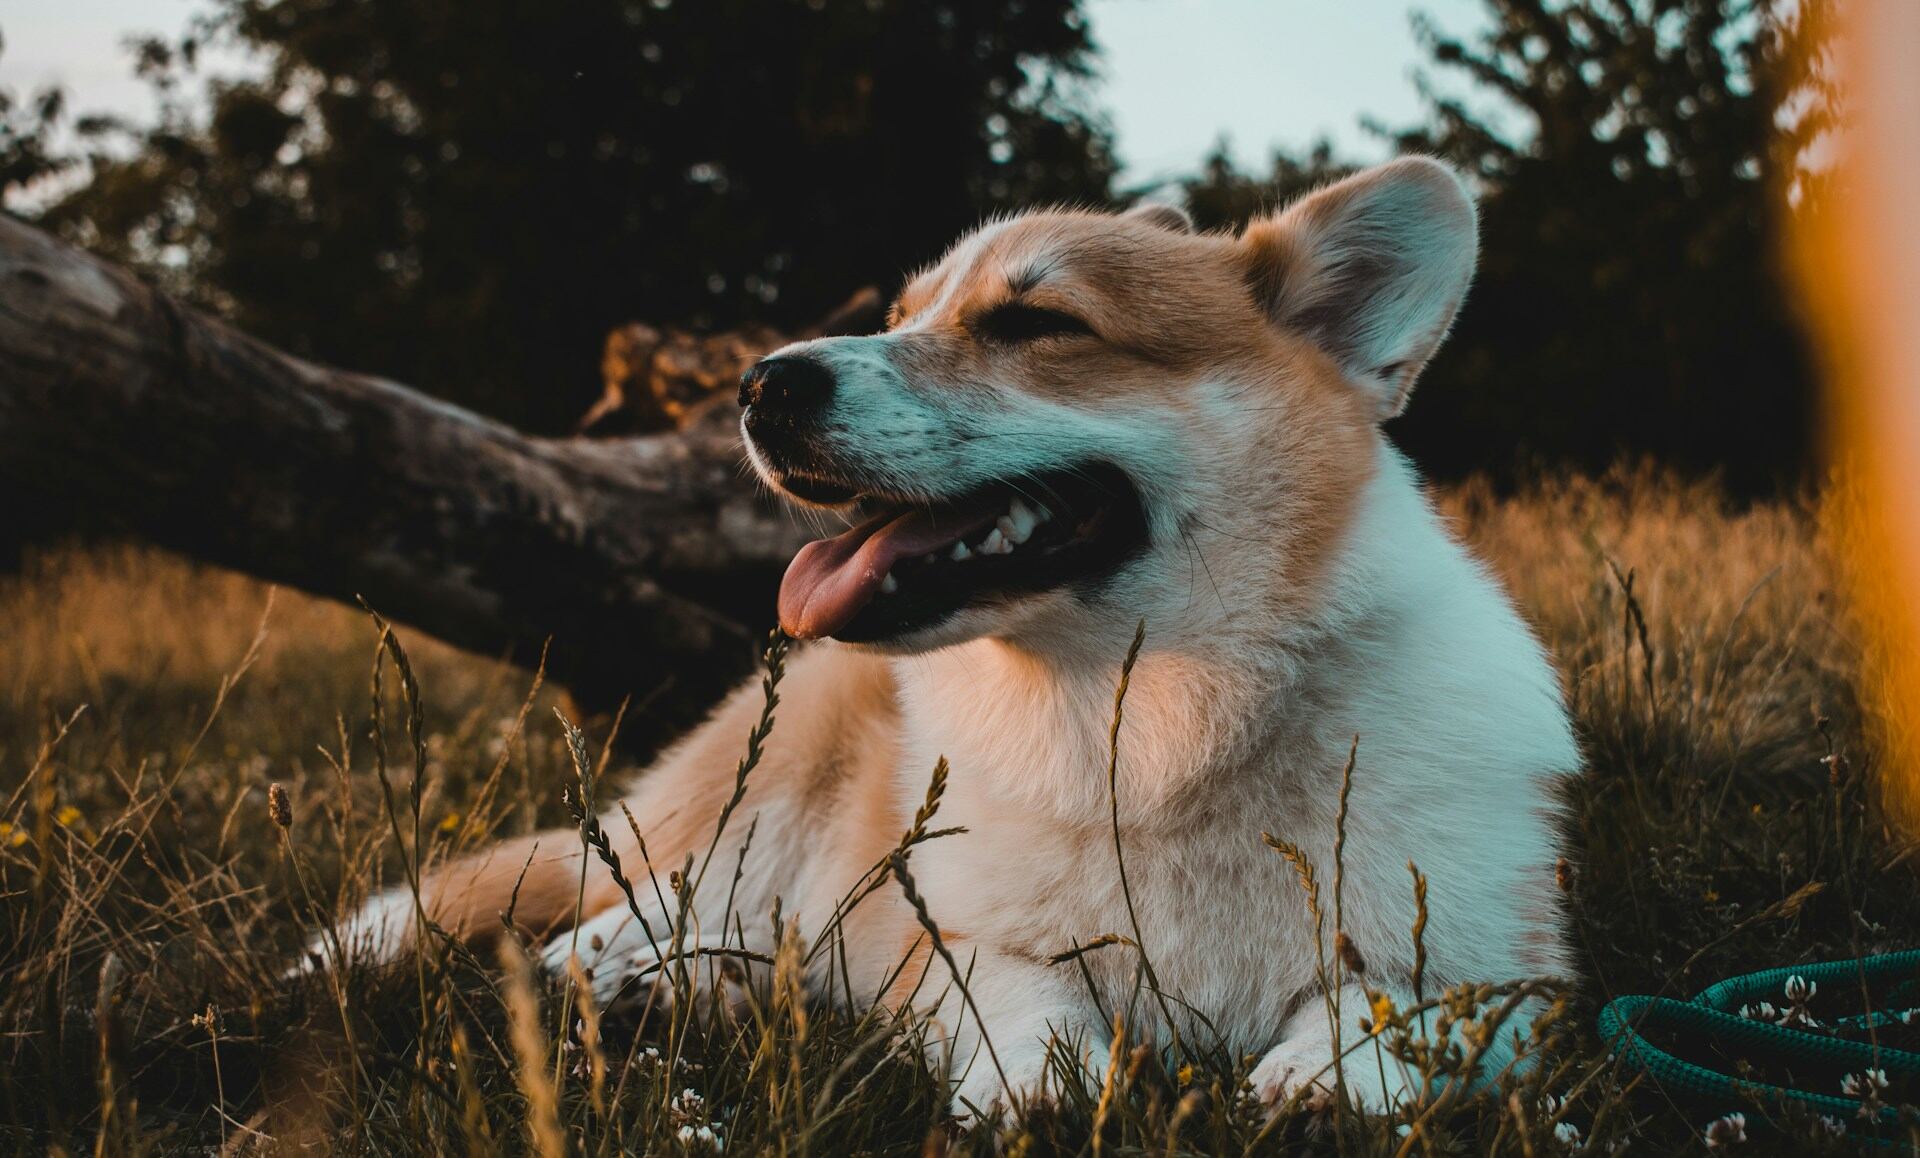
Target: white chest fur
<point>1419,653</point>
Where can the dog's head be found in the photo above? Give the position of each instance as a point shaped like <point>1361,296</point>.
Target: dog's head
<point>1080,414</point>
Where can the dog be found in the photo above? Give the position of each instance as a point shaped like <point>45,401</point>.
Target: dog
<point>1079,425</point>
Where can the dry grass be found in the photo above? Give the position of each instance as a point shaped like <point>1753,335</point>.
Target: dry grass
<point>149,901</point>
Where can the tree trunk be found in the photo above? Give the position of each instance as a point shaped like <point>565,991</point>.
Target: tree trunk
<point>643,560</point>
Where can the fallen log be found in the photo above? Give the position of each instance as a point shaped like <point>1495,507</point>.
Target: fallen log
<point>648,561</point>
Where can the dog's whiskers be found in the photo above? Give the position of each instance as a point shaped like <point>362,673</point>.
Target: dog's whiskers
<point>1204,567</point>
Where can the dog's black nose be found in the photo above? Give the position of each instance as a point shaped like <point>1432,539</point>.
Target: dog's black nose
<point>786,387</point>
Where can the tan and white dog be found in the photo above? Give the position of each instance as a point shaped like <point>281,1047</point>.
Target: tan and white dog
<point>1077,421</point>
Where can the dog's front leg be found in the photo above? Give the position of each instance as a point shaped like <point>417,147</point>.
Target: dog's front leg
<point>1302,1067</point>
<point>997,1027</point>
<point>631,963</point>
<point>1318,1055</point>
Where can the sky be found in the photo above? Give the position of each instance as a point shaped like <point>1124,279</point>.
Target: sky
<point>1176,74</point>
<point>1179,74</point>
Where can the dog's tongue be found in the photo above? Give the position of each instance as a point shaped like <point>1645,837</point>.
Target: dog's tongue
<point>829,581</point>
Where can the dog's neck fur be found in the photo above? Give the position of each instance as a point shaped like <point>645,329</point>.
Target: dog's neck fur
<point>1031,722</point>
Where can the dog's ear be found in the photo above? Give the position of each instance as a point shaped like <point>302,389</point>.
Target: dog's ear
<point>1372,269</point>
<point>1161,216</point>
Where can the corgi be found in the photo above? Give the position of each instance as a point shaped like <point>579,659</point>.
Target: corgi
<point>1077,423</point>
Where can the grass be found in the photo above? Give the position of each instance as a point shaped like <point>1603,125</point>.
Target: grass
<point>150,895</point>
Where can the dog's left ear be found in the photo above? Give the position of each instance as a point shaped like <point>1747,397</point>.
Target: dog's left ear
<point>1372,268</point>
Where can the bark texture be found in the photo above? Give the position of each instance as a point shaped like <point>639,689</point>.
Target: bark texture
<point>647,560</point>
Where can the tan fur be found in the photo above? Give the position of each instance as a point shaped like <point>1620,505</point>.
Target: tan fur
<point>832,739</point>
<point>532,875</point>
<point>1173,306</point>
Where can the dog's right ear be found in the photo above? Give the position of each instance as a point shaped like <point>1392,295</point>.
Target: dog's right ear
<point>1372,269</point>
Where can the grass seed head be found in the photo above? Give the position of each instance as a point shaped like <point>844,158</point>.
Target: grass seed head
<point>279,805</point>
<point>1350,958</point>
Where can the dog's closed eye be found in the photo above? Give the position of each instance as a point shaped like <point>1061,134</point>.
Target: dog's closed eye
<point>1018,322</point>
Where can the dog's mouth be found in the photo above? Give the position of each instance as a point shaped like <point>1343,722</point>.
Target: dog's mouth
<point>911,564</point>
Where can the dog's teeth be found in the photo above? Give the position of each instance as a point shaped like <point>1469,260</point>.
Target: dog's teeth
<point>1023,520</point>
<point>889,584</point>
<point>959,553</point>
<point>1009,530</point>
<point>994,544</point>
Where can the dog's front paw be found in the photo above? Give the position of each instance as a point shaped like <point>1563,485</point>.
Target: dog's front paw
<point>379,931</point>
<point>1299,1073</point>
<point>622,972</point>
<point>1294,1074</point>
<point>981,1094</point>
<point>980,1097</point>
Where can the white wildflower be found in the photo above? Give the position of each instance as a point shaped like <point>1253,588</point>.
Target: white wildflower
<point>686,1105</point>
<point>1865,1083</point>
<point>1726,1133</point>
<point>691,1136</point>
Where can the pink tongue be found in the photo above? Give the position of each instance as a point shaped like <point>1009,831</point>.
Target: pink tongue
<point>829,581</point>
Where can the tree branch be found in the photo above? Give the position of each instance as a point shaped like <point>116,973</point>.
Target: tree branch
<point>641,558</point>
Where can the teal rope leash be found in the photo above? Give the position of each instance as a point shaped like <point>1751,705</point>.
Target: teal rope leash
<point>1624,1022</point>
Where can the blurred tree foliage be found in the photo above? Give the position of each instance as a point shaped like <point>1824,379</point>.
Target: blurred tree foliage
<point>27,124</point>
<point>1633,173</point>
<point>1630,295</point>
<point>1220,196</point>
<point>469,195</point>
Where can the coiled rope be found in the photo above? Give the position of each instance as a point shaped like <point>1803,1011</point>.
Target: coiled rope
<point>1625,1022</point>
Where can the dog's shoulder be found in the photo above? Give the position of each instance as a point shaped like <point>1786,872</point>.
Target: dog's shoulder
<point>1444,654</point>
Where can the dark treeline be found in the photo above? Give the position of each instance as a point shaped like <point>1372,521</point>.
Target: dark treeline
<point>469,195</point>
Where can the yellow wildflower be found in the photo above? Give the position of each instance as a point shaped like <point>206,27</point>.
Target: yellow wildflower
<point>1382,1012</point>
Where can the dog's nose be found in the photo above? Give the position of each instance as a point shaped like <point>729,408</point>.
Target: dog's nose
<point>787,386</point>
